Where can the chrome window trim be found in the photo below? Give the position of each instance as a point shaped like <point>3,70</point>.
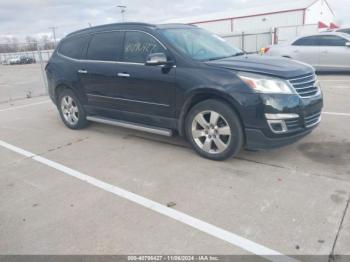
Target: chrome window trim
<point>128,100</point>
<point>116,62</point>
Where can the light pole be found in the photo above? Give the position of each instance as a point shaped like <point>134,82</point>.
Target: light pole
<point>122,11</point>
<point>53,28</point>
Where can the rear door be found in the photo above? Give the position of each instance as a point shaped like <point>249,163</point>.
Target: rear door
<point>307,50</point>
<point>334,53</point>
<point>98,72</point>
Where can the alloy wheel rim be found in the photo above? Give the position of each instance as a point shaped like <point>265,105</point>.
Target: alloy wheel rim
<point>211,132</point>
<point>70,110</point>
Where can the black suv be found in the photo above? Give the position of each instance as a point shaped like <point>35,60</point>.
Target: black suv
<point>180,78</point>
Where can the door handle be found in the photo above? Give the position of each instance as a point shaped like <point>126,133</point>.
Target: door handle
<point>126,75</point>
<point>81,71</point>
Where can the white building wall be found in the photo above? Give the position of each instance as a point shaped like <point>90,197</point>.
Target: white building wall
<point>218,27</point>
<point>254,24</point>
<point>267,22</point>
<point>319,12</point>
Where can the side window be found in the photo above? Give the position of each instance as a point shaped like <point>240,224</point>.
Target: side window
<point>105,46</point>
<point>307,41</point>
<point>139,45</point>
<point>73,46</point>
<point>346,31</point>
<point>332,40</point>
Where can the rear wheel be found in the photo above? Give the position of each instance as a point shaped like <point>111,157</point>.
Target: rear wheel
<point>214,130</point>
<point>71,110</point>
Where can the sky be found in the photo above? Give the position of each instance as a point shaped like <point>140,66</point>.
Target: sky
<point>20,18</point>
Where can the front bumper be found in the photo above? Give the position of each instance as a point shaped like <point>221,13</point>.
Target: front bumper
<point>298,117</point>
<point>257,140</point>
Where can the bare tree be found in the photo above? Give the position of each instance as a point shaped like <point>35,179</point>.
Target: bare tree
<point>32,43</point>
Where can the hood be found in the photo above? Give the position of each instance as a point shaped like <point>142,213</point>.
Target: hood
<point>280,67</point>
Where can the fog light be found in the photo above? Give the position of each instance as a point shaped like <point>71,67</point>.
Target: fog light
<point>276,122</point>
<point>277,126</point>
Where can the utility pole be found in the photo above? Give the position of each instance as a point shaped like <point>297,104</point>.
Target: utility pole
<point>122,11</point>
<point>53,28</point>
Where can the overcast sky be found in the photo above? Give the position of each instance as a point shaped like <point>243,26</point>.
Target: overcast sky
<point>34,17</point>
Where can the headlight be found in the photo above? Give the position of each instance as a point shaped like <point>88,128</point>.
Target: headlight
<point>266,84</point>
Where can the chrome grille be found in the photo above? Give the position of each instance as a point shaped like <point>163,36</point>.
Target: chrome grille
<point>313,119</point>
<point>305,86</point>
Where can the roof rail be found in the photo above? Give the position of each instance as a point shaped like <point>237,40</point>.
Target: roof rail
<point>109,25</point>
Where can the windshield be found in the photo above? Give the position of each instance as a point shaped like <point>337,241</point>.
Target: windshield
<point>200,44</point>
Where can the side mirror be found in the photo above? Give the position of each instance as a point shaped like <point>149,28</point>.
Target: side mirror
<point>157,59</point>
<point>347,44</point>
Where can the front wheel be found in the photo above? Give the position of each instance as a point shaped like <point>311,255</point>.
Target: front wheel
<point>214,130</point>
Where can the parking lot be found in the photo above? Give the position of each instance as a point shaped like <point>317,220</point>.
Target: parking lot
<point>108,190</point>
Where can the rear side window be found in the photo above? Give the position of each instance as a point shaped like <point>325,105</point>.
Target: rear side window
<point>105,46</point>
<point>139,45</point>
<point>73,47</point>
<point>321,40</point>
<point>332,40</point>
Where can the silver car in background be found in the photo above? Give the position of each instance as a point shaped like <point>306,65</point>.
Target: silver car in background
<point>344,30</point>
<point>325,51</point>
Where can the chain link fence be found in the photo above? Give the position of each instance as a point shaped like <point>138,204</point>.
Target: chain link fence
<point>250,42</point>
<point>253,42</point>
<point>22,70</point>
<point>286,33</point>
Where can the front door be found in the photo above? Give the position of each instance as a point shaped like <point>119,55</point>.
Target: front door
<point>307,50</point>
<point>143,89</point>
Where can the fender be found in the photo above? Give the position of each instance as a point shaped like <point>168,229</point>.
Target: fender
<point>197,95</point>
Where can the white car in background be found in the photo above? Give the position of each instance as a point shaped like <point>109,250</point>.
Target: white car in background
<point>325,51</point>
<point>14,60</point>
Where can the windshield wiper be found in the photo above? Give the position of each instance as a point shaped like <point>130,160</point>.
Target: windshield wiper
<point>239,54</point>
<point>217,58</point>
<point>223,57</point>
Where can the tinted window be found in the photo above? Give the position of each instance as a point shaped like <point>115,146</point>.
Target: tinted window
<point>73,46</point>
<point>139,45</point>
<point>105,46</point>
<point>332,40</point>
<point>321,40</point>
<point>307,41</point>
<point>347,31</point>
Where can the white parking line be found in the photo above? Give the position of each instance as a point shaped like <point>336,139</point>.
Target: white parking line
<point>210,229</point>
<point>336,114</point>
<point>24,106</point>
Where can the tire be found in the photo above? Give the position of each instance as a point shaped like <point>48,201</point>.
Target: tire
<point>214,130</point>
<point>71,110</point>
